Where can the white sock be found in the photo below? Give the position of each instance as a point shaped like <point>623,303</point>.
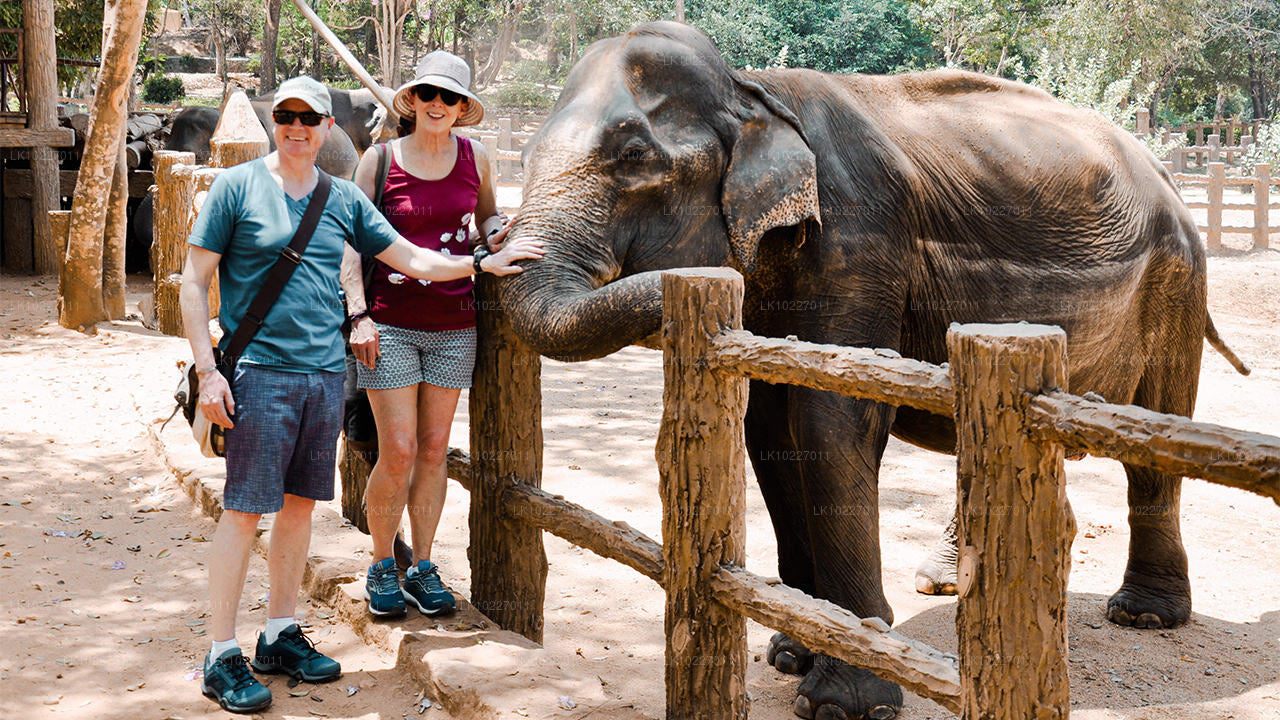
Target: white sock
<point>221,647</point>
<point>275,626</point>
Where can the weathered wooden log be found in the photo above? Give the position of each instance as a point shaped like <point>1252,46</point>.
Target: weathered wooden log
<point>354,466</point>
<point>827,628</point>
<point>880,375</point>
<point>137,154</point>
<point>175,192</point>
<point>508,564</point>
<point>18,242</point>
<point>80,284</point>
<point>586,529</point>
<point>239,136</point>
<point>142,124</point>
<point>702,461</point>
<point>20,137</point>
<point>80,125</point>
<point>41,80</point>
<point>1015,528</point>
<point>1217,180</point>
<point>1168,443</point>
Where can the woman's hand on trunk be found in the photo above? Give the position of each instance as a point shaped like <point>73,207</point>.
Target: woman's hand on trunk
<point>501,262</point>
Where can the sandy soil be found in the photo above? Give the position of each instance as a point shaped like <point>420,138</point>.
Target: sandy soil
<point>84,640</point>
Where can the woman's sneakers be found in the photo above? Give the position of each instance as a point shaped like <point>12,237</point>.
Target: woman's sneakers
<point>423,589</point>
<point>227,679</point>
<point>382,589</point>
<point>294,654</point>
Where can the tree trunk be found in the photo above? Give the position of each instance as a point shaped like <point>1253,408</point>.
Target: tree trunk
<point>113,241</point>
<point>501,45</point>
<point>573,35</point>
<point>40,73</point>
<point>680,11</point>
<point>270,41</point>
<point>80,284</point>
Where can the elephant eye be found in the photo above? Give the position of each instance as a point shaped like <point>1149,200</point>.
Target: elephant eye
<point>634,151</point>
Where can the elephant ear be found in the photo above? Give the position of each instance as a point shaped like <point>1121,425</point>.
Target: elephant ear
<point>771,180</point>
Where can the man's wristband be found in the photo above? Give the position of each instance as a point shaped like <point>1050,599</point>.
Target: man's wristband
<point>480,253</point>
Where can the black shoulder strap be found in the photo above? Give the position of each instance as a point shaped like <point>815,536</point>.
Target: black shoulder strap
<point>384,167</point>
<point>278,276</point>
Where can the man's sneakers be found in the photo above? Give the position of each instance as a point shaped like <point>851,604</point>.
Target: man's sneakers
<point>295,655</point>
<point>382,589</point>
<point>423,589</point>
<point>228,680</point>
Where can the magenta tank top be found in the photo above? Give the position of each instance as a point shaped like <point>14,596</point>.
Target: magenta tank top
<point>433,214</point>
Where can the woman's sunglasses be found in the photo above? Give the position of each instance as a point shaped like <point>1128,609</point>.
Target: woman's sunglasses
<point>427,93</point>
<point>308,117</point>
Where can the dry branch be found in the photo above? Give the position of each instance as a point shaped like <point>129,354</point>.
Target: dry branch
<point>827,628</point>
<point>879,375</point>
<point>1169,443</point>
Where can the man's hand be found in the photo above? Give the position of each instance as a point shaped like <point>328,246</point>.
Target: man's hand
<point>364,341</point>
<point>500,263</point>
<point>215,399</point>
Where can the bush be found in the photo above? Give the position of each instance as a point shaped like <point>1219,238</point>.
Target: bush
<point>163,90</point>
<point>523,94</point>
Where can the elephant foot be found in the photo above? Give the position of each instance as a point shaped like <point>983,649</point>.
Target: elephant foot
<point>403,553</point>
<point>1145,606</point>
<point>937,574</point>
<point>834,690</point>
<point>788,655</point>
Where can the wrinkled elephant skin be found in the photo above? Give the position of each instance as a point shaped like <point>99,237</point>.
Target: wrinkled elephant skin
<point>872,212</point>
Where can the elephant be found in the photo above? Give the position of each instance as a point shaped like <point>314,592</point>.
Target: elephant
<point>866,211</point>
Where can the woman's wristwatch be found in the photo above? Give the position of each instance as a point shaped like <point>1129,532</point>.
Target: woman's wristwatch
<point>480,253</point>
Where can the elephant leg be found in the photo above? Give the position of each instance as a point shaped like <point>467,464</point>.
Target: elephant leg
<point>839,443</point>
<point>937,574</point>
<point>1156,591</point>
<point>773,457</point>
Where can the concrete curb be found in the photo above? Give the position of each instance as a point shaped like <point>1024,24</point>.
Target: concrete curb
<point>466,664</point>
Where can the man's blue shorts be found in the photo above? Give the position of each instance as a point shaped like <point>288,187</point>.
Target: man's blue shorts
<point>285,437</point>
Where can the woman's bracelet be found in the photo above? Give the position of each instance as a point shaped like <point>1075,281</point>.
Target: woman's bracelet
<point>206,371</point>
<point>356,316</point>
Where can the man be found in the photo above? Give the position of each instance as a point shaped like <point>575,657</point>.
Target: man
<point>283,408</point>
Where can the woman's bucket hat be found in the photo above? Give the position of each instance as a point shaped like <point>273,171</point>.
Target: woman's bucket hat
<point>443,70</point>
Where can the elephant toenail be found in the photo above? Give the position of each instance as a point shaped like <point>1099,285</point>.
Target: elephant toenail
<point>802,707</point>
<point>882,712</point>
<point>1117,615</point>
<point>831,712</point>
<point>1148,621</point>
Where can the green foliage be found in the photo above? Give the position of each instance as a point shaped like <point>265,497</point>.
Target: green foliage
<point>162,89</point>
<point>1266,147</point>
<point>521,94</point>
<point>875,36</point>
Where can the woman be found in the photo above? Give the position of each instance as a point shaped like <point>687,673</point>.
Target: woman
<point>416,342</point>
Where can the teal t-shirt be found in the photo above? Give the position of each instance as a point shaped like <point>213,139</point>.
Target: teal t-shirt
<point>249,219</point>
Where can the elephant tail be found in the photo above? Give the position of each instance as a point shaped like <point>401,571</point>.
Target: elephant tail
<point>1211,334</point>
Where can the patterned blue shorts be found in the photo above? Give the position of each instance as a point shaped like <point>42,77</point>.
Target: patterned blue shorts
<point>442,358</point>
<point>285,439</point>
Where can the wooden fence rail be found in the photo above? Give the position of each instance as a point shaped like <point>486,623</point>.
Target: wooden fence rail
<point>1215,182</point>
<point>1005,384</point>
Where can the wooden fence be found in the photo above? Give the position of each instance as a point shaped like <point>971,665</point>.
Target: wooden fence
<point>1006,388</point>
<point>504,148</point>
<point>1214,183</point>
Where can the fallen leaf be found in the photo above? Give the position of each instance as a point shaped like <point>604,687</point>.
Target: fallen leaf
<point>134,599</point>
<point>299,693</point>
<point>139,686</point>
<point>163,553</point>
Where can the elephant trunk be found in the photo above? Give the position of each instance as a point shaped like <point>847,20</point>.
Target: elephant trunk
<point>564,305</point>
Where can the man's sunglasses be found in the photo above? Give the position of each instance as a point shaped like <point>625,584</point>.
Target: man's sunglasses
<point>427,93</point>
<point>308,117</point>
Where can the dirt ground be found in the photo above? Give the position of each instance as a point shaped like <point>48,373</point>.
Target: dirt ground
<point>102,556</point>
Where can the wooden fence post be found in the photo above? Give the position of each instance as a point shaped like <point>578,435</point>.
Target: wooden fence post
<point>239,136</point>
<point>504,143</point>
<point>1142,125</point>
<point>1015,522</point>
<point>702,467</point>
<point>1217,180</point>
<point>1199,133</point>
<point>508,564</point>
<point>1179,158</point>
<point>1215,148</point>
<point>1262,206</point>
<point>1231,133</point>
<point>175,191</point>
